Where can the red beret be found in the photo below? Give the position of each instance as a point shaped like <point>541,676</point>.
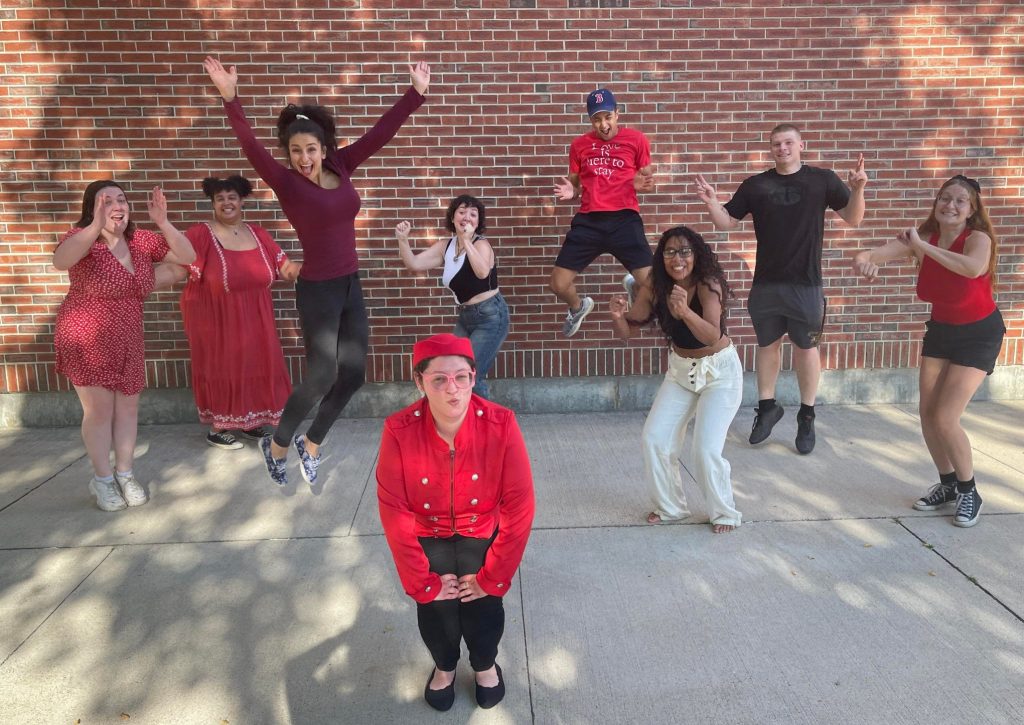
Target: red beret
<point>443,344</point>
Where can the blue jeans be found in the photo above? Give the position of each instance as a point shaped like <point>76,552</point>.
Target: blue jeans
<point>486,325</point>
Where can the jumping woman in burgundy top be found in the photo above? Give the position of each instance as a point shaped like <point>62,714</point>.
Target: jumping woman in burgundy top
<point>963,337</point>
<point>316,194</point>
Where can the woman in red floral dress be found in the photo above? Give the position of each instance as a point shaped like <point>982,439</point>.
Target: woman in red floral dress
<point>239,377</point>
<point>98,335</point>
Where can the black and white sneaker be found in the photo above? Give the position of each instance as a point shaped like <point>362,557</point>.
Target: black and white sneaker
<point>968,508</point>
<point>255,433</point>
<point>938,496</point>
<point>223,439</point>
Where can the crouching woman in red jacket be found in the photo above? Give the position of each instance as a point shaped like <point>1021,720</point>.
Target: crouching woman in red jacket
<point>456,501</point>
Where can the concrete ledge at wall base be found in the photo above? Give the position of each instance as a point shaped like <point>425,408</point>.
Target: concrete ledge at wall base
<point>528,395</point>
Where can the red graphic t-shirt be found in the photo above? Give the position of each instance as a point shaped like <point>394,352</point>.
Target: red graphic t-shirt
<point>607,169</point>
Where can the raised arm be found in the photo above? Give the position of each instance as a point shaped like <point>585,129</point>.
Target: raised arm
<point>432,256</point>
<point>719,216</point>
<point>626,319</point>
<point>226,82</point>
<point>857,179</point>
<point>974,261</point>
<point>867,262</point>
<point>181,248</point>
<point>644,179</point>
<point>707,328</point>
<point>387,125</point>
<point>77,245</point>
<point>567,187</point>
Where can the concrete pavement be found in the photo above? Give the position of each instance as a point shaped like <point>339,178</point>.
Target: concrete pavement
<point>227,599</point>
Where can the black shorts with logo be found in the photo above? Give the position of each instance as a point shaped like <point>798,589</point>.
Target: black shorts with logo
<point>779,308</point>
<point>618,233</point>
<point>974,345</point>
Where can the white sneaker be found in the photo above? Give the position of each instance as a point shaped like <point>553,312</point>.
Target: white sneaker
<point>108,496</point>
<point>629,284</point>
<point>133,492</point>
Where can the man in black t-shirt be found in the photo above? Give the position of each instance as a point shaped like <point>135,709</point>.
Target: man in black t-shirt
<point>788,206</point>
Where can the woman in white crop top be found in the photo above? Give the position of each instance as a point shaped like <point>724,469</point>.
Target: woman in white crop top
<point>471,273</point>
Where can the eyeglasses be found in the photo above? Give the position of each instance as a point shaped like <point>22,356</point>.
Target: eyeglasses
<point>683,252</point>
<point>440,381</point>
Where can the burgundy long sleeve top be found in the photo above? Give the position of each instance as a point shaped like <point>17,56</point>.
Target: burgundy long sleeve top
<point>323,219</point>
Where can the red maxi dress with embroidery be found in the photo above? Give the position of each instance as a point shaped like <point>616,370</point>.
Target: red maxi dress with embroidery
<point>239,378</point>
<point>98,335</point>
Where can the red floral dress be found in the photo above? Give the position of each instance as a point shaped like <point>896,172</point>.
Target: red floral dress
<point>98,335</point>
<point>239,378</point>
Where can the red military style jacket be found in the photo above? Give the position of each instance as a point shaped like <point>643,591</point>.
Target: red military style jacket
<point>426,489</point>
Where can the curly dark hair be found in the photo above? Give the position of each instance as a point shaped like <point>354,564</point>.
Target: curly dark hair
<point>472,202</point>
<point>89,204</point>
<point>706,269</point>
<point>318,121</point>
<point>236,183</point>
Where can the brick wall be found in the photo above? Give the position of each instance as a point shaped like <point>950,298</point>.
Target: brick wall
<point>922,89</point>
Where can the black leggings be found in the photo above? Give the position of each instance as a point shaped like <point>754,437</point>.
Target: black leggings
<point>444,624</point>
<point>336,332</point>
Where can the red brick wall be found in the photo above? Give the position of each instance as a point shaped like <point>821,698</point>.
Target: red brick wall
<point>922,89</point>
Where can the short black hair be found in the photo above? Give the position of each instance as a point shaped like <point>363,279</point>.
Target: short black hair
<point>237,183</point>
<point>472,202</point>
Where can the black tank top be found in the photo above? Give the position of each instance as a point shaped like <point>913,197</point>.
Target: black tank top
<point>680,334</point>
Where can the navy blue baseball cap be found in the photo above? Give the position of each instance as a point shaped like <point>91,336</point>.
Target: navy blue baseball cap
<point>600,100</point>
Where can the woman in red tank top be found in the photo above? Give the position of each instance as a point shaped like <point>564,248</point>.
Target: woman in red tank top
<point>956,251</point>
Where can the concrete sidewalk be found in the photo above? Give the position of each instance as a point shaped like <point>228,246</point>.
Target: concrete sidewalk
<point>229,600</point>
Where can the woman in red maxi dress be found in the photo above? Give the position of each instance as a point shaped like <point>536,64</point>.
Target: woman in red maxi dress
<point>239,378</point>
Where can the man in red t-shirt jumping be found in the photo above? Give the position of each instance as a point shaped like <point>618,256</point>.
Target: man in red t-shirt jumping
<point>607,166</point>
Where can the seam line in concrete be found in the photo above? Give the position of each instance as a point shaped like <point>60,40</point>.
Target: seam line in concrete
<point>526,645</point>
<point>59,605</point>
<point>359,504</point>
<point>41,483</point>
<point>131,544</point>
<point>968,577</point>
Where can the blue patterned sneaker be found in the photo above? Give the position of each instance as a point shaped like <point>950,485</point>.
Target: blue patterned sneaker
<point>275,466</point>
<point>310,464</point>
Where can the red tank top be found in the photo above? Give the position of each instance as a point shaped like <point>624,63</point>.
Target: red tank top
<point>956,300</point>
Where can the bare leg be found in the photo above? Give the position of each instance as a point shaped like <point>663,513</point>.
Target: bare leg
<point>808,373</point>
<point>441,679</point>
<point>126,429</point>
<point>768,361</point>
<point>563,284</point>
<point>97,426</point>
<point>950,392</point>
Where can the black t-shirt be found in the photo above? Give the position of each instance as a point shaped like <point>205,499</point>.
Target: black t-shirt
<point>789,220</point>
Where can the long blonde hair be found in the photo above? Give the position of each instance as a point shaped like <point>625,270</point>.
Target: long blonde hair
<point>978,220</point>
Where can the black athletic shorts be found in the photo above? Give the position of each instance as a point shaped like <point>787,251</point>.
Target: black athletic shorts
<point>618,233</point>
<point>778,308</point>
<point>974,345</point>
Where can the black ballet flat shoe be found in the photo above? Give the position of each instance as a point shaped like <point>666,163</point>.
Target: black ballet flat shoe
<point>488,697</point>
<point>440,699</point>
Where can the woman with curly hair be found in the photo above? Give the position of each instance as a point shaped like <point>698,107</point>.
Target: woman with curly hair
<point>239,377</point>
<point>956,251</point>
<point>316,194</point>
<point>687,299</point>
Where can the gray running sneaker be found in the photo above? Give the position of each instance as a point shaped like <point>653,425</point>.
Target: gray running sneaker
<point>573,320</point>
<point>629,284</point>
